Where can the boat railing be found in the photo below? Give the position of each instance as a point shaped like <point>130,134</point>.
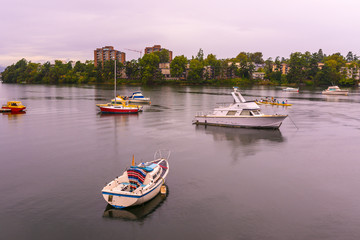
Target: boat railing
<point>162,154</point>
<point>204,113</point>
<point>223,104</point>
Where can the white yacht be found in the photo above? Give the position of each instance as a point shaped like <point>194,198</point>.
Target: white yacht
<point>290,89</point>
<point>240,114</point>
<point>335,90</point>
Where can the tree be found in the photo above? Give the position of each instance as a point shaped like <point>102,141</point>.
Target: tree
<point>163,55</point>
<point>297,66</point>
<point>132,69</point>
<point>320,56</point>
<point>200,55</point>
<point>257,57</point>
<point>350,57</point>
<point>178,66</point>
<point>196,70</point>
<point>214,64</point>
<point>149,64</point>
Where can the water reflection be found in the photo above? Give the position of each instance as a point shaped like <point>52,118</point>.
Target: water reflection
<point>13,115</point>
<point>243,141</point>
<point>137,213</point>
<point>242,136</point>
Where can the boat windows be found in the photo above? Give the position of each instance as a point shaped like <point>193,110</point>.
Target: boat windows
<point>231,113</point>
<point>256,113</point>
<point>245,113</point>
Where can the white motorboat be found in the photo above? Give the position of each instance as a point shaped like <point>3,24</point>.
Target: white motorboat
<point>239,114</point>
<point>138,97</point>
<point>138,184</point>
<point>290,89</point>
<point>335,90</point>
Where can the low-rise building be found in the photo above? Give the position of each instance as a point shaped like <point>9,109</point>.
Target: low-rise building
<point>258,75</point>
<point>351,71</point>
<point>165,69</point>
<point>284,68</point>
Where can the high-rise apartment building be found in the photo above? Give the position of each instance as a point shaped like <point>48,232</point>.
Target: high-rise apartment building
<point>108,53</point>
<point>157,48</point>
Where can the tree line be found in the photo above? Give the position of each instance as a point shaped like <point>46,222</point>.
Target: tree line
<point>301,68</point>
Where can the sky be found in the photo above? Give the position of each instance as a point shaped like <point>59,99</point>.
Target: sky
<point>47,30</point>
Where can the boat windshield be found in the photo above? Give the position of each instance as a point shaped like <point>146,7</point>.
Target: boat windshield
<point>245,113</point>
<point>256,112</point>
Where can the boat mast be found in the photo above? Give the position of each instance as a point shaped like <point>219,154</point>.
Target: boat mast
<point>115,82</point>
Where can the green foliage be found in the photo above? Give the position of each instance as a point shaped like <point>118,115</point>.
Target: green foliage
<point>215,66</point>
<point>196,70</point>
<point>149,65</point>
<point>163,55</point>
<point>347,82</point>
<point>132,69</point>
<point>303,68</point>
<point>28,72</point>
<point>178,66</point>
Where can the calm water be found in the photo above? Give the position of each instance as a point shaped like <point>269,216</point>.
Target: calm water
<point>301,182</point>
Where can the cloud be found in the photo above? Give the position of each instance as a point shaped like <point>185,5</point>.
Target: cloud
<point>73,29</point>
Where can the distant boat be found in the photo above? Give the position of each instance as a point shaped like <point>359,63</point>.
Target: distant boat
<point>274,103</point>
<point>290,89</point>
<point>335,90</point>
<point>239,114</point>
<point>138,97</point>
<point>14,106</point>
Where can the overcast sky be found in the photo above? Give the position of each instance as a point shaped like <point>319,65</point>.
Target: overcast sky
<point>45,30</point>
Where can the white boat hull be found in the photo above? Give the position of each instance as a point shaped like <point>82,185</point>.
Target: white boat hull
<point>266,121</point>
<point>344,93</point>
<point>146,100</point>
<point>121,200</point>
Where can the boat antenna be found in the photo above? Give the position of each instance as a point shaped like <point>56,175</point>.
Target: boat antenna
<point>115,83</point>
<point>293,122</point>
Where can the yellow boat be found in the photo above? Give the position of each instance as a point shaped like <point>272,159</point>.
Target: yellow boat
<point>272,103</point>
<point>14,106</point>
<point>120,101</point>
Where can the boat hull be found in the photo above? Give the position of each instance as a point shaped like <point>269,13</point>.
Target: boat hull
<point>112,110</point>
<point>15,109</point>
<point>120,200</point>
<point>344,93</point>
<point>267,121</point>
<point>139,100</point>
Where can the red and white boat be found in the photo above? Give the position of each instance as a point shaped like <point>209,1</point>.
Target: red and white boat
<point>117,108</point>
<point>118,105</point>
<point>13,106</point>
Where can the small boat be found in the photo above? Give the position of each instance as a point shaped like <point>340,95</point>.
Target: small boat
<point>335,90</point>
<point>14,106</point>
<point>274,103</point>
<point>290,89</point>
<point>118,104</point>
<point>139,183</point>
<point>118,108</point>
<point>240,114</point>
<point>138,97</point>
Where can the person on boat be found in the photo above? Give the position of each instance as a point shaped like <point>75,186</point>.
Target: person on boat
<point>283,102</point>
